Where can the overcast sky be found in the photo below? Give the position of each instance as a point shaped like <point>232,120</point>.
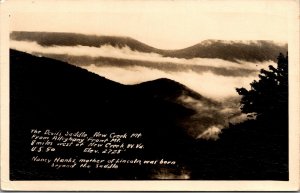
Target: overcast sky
<point>161,24</point>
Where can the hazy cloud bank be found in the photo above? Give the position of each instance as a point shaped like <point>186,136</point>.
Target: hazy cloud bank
<point>126,53</point>
<point>214,78</point>
<point>207,83</point>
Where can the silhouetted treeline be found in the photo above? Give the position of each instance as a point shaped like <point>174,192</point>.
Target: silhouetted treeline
<point>256,149</point>
<point>267,100</point>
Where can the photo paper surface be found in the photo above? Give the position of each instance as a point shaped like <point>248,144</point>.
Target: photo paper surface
<point>152,95</point>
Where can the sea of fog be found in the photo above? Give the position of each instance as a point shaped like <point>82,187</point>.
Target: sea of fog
<point>206,82</point>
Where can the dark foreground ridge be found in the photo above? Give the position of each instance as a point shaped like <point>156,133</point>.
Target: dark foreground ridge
<point>46,93</point>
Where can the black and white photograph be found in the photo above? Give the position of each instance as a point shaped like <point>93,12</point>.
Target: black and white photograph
<point>151,91</point>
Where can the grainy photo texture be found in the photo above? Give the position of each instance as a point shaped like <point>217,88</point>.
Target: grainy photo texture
<point>145,92</point>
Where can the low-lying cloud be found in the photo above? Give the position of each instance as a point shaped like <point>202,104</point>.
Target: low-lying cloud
<point>212,78</point>
<point>210,117</point>
<point>126,53</point>
<point>207,83</point>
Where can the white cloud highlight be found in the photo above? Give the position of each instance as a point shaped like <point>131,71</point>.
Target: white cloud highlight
<point>207,83</point>
<point>127,53</point>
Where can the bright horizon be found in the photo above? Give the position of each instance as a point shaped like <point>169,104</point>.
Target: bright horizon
<point>160,24</point>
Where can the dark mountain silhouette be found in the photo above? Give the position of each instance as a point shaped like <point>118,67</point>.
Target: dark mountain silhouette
<point>74,39</point>
<point>50,94</point>
<point>228,50</point>
<point>252,51</point>
<point>167,89</point>
<point>47,93</point>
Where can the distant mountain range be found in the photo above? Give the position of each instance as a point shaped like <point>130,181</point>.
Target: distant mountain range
<point>257,50</point>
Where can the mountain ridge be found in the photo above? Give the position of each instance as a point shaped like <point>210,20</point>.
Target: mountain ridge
<point>43,78</point>
<point>47,93</point>
<point>258,50</point>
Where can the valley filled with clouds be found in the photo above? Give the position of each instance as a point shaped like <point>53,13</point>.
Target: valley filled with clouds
<point>214,76</point>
